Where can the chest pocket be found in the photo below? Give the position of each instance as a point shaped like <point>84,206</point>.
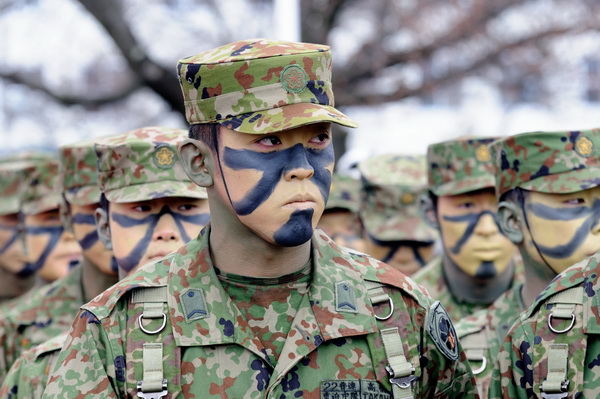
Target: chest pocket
<point>387,349</point>
<point>153,359</point>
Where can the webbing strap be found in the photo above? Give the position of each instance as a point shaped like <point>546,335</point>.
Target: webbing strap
<point>565,302</point>
<point>153,368</point>
<point>400,370</point>
<point>556,380</point>
<point>376,292</point>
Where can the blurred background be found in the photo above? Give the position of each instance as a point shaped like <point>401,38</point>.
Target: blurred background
<point>411,72</point>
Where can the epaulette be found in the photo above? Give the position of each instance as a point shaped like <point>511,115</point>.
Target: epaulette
<point>52,345</point>
<point>571,277</point>
<point>149,275</point>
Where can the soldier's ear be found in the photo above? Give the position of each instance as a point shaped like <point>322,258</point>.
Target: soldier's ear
<point>511,221</point>
<point>196,158</point>
<point>103,227</point>
<point>428,212</point>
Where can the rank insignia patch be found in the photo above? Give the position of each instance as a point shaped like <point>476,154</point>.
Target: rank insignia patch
<point>345,298</point>
<point>441,330</point>
<point>194,305</point>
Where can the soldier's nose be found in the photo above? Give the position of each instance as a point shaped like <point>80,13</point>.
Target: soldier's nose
<point>166,230</point>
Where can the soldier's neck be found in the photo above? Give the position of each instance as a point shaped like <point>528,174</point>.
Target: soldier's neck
<point>537,277</point>
<point>11,286</point>
<point>249,255</point>
<point>94,281</point>
<point>469,289</point>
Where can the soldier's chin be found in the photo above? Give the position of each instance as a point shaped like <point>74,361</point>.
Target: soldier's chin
<point>486,270</point>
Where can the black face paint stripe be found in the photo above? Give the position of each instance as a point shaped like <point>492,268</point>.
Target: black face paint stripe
<point>55,232</point>
<point>82,218</point>
<point>549,213</point>
<point>14,236</point>
<point>473,220</point>
<point>397,244</point>
<point>274,165</point>
<point>133,259</point>
<point>297,230</point>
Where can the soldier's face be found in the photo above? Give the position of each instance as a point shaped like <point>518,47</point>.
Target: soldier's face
<point>144,231</point>
<point>86,234</point>
<point>342,227</point>
<point>406,256</point>
<point>277,184</point>
<point>12,251</point>
<point>565,227</point>
<point>52,250</point>
<point>471,235</point>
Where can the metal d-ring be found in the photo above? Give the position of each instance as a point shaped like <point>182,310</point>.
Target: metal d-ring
<point>560,331</point>
<point>482,367</point>
<point>391,311</point>
<point>164,323</point>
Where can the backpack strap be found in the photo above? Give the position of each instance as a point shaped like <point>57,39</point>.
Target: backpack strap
<point>152,330</point>
<point>401,372</point>
<point>556,384</point>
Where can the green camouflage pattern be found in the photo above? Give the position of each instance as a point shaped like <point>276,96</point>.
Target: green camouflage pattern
<point>548,162</point>
<point>12,177</point>
<point>143,164</point>
<point>260,86</point>
<point>459,166</point>
<point>221,356</point>
<point>44,314</point>
<point>431,277</point>
<point>79,173</point>
<point>28,376</point>
<point>344,193</point>
<point>523,358</point>
<point>482,333</point>
<point>389,207</point>
<point>41,191</point>
<point>30,156</point>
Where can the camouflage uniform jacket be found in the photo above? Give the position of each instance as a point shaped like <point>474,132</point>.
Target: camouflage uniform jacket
<point>210,350</point>
<point>482,333</point>
<point>533,357</point>
<point>29,374</point>
<point>47,313</point>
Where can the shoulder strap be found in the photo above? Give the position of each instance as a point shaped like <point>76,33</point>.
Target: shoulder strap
<point>401,372</point>
<point>152,327</point>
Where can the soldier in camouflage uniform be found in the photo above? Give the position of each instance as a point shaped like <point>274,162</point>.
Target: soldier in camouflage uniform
<point>146,148</point>
<point>13,258</point>
<point>552,209</point>
<point>260,305</point>
<point>393,229</point>
<point>477,264</point>
<point>340,217</point>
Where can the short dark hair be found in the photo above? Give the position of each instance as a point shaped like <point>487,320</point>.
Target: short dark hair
<point>104,203</point>
<point>514,195</point>
<point>208,133</point>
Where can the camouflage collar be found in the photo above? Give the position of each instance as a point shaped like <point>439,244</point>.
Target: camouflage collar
<point>203,314</point>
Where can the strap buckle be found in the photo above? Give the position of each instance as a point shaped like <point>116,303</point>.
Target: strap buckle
<point>557,395</point>
<point>152,395</point>
<point>403,382</point>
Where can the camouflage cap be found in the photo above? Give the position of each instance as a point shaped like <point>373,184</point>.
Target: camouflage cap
<point>459,166</point>
<point>12,178</point>
<point>548,162</point>
<point>28,156</point>
<point>344,193</point>
<point>143,164</point>
<point>260,86</point>
<point>392,185</point>
<point>78,172</point>
<point>41,191</point>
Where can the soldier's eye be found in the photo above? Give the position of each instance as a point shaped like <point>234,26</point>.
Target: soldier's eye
<point>269,141</point>
<point>186,207</point>
<point>321,138</point>
<point>466,205</point>
<point>574,201</point>
<point>142,208</point>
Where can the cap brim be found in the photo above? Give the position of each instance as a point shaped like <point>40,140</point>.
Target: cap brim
<point>464,186</point>
<point>565,183</point>
<point>81,196</point>
<point>414,228</point>
<point>155,190</point>
<point>286,117</point>
<point>47,203</point>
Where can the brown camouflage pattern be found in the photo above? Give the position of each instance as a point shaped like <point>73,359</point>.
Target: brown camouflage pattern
<point>523,358</point>
<point>548,162</point>
<point>482,333</point>
<point>260,86</point>
<point>221,356</point>
<point>391,187</point>
<point>41,191</point>
<point>143,164</point>
<point>12,178</point>
<point>459,166</point>
<point>79,173</point>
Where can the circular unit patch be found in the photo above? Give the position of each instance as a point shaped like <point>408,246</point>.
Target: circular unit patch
<point>164,157</point>
<point>293,78</point>
<point>584,146</point>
